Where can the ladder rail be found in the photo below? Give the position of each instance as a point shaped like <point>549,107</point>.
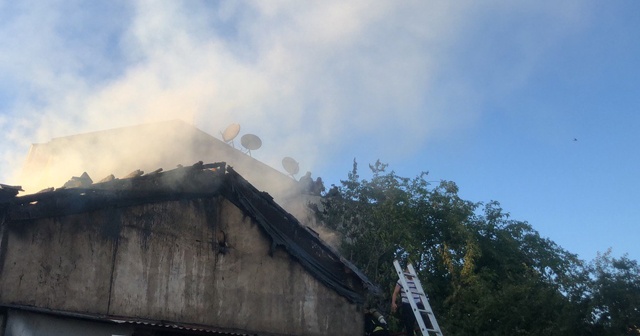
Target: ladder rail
<point>423,298</point>
<point>425,301</point>
<point>409,294</point>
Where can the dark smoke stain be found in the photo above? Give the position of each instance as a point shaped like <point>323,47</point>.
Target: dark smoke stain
<point>4,234</point>
<point>212,208</point>
<point>147,220</point>
<point>111,227</point>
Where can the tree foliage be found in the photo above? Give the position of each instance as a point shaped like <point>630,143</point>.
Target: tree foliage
<point>485,274</point>
<point>616,295</point>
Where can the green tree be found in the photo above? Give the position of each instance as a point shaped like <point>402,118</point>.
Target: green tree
<point>616,295</point>
<point>485,274</point>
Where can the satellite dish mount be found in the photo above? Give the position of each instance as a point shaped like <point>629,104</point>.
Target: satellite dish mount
<point>291,166</point>
<point>250,142</point>
<point>230,133</point>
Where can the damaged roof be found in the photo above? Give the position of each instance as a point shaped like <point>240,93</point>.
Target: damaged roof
<point>8,192</point>
<point>80,195</point>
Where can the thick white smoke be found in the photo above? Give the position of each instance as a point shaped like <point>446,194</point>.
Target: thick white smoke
<point>312,79</point>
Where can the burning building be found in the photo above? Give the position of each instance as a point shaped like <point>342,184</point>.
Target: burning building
<point>196,250</point>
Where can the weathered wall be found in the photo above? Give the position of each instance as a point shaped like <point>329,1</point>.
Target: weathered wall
<point>62,263</point>
<point>161,261</point>
<point>166,260</point>
<point>283,290</point>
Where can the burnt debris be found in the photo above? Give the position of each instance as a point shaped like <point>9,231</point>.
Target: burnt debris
<point>8,192</point>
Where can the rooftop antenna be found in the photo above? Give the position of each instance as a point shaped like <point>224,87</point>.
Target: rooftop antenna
<point>291,166</point>
<point>250,142</point>
<point>230,133</point>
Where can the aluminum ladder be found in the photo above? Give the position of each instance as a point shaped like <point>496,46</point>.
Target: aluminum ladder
<point>417,312</point>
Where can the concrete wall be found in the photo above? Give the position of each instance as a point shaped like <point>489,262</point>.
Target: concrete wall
<point>162,262</point>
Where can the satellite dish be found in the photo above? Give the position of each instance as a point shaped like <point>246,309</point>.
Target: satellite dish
<point>290,165</point>
<point>230,132</point>
<point>250,142</point>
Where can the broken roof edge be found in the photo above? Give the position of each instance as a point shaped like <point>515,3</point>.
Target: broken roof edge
<point>129,182</point>
<point>183,182</point>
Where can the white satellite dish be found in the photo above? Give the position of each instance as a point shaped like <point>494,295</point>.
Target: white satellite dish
<point>230,133</point>
<point>290,165</point>
<point>250,142</point>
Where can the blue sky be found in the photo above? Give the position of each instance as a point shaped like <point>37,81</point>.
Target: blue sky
<point>489,95</point>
